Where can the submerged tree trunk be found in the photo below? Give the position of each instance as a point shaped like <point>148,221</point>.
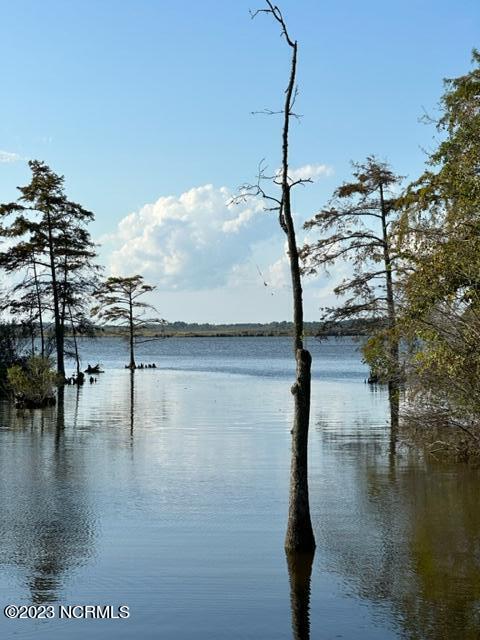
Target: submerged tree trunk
<point>299,535</point>
<point>131,328</point>
<point>299,530</point>
<point>394,404</point>
<point>394,355</point>
<point>75,344</point>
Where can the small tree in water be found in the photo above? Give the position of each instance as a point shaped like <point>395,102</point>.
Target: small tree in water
<point>118,303</point>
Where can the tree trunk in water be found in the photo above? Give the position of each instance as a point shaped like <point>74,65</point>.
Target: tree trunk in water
<point>394,404</point>
<point>299,573</point>
<point>394,381</point>
<point>132,355</point>
<point>60,351</point>
<point>74,335</point>
<point>299,534</point>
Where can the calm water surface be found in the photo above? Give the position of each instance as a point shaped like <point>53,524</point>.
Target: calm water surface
<point>166,490</point>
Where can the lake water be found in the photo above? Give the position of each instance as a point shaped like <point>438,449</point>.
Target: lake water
<point>166,490</point>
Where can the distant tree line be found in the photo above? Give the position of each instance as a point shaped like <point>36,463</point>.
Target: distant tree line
<point>354,327</point>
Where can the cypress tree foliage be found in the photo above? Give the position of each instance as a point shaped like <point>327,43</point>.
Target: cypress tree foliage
<point>27,299</point>
<point>358,225</point>
<point>52,243</point>
<point>118,302</point>
<point>440,228</point>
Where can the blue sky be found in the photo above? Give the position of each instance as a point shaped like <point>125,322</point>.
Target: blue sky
<point>137,103</point>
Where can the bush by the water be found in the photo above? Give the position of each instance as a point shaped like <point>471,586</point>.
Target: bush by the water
<point>10,351</point>
<point>33,383</point>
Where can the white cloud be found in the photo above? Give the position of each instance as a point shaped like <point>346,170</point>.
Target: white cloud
<point>308,172</point>
<point>194,241</point>
<point>278,273</point>
<point>214,262</point>
<point>7,157</point>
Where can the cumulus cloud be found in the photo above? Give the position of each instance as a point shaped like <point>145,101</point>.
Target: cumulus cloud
<point>309,172</point>
<point>214,261</point>
<point>7,157</point>
<point>278,273</point>
<point>194,241</point>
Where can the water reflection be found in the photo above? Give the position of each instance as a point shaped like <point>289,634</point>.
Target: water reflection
<point>394,406</point>
<point>187,525</point>
<point>46,527</point>
<point>407,535</point>
<point>132,403</point>
<point>299,572</point>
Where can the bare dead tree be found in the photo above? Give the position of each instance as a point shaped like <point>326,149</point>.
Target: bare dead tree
<point>299,535</point>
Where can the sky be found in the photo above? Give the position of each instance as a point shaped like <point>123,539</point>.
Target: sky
<point>146,108</point>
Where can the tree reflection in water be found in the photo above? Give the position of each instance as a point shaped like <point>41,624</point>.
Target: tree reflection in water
<point>132,403</point>
<point>406,533</point>
<point>46,527</point>
<point>300,572</point>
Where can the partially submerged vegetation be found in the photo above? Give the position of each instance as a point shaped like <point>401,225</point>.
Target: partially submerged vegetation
<point>440,434</point>
<point>440,230</point>
<point>33,383</point>
<point>10,351</point>
<point>417,271</point>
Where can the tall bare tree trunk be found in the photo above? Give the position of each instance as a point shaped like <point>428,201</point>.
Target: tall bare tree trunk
<point>299,535</point>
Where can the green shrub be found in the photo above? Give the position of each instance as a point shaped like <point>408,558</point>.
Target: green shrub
<point>33,384</point>
<point>11,349</point>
